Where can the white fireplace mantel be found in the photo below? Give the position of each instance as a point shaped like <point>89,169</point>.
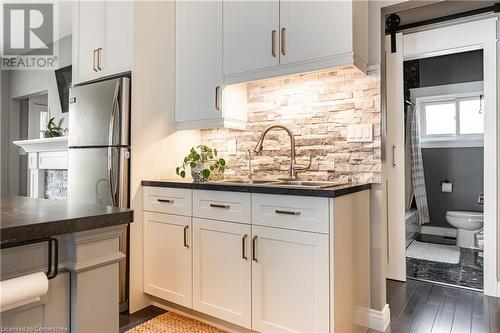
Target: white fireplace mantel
<point>47,144</point>
<point>43,154</point>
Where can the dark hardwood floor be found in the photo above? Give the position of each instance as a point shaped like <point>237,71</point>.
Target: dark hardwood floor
<point>416,306</point>
<point>424,307</point>
<point>128,321</point>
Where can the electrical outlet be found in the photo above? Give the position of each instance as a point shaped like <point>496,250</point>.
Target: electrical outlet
<point>231,147</point>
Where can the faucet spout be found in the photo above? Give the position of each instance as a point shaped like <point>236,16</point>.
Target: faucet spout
<point>260,144</point>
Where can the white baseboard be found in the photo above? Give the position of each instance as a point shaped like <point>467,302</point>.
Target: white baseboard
<point>438,231</point>
<point>374,319</point>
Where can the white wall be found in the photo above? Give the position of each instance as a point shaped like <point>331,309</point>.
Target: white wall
<point>28,82</point>
<point>4,132</point>
<point>156,146</point>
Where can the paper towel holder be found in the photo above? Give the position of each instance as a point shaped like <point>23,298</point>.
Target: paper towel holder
<point>53,253</point>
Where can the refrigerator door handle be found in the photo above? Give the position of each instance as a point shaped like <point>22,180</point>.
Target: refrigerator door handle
<point>113,178</point>
<point>112,119</point>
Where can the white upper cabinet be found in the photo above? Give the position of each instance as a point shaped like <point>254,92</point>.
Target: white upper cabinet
<point>202,101</point>
<point>251,38</point>
<point>314,29</point>
<point>308,36</point>
<point>102,39</point>
<point>87,39</point>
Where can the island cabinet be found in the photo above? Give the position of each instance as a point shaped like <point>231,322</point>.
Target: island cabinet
<point>264,262</point>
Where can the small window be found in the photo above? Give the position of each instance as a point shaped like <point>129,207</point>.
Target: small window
<point>457,119</point>
<point>471,116</point>
<point>439,118</point>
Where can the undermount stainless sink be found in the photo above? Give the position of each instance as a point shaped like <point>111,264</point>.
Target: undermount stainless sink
<point>308,183</point>
<point>246,181</point>
<point>280,183</point>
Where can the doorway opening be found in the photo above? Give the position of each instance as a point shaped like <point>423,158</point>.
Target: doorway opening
<point>456,129</point>
<point>33,118</point>
<point>444,163</point>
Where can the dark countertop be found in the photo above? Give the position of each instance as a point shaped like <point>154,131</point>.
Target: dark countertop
<point>23,218</point>
<point>329,192</point>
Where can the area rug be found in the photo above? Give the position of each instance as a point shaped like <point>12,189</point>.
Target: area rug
<point>433,252</point>
<point>173,323</point>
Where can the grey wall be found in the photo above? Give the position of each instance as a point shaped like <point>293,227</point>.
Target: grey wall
<point>453,68</point>
<point>464,168</point>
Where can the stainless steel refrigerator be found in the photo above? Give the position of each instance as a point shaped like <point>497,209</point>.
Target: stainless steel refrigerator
<point>99,152</point>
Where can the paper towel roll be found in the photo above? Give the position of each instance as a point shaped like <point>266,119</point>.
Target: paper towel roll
<point>446,187</point>
<point>22,290</point>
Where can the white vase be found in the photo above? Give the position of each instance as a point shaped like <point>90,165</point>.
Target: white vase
<point>197,174</point>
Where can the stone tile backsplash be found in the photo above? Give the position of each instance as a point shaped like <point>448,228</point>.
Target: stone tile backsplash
<point>317,107</point>
<point>56,184</point>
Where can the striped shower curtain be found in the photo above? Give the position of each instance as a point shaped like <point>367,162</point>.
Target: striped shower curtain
<point>417,168</point>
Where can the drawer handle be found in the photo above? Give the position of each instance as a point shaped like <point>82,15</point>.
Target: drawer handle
<point>165,200</point>
<point>287,212</point>
<point>254,250</point>
<point>220,206</point>
<point>243,247</point>
<point>185,237</point>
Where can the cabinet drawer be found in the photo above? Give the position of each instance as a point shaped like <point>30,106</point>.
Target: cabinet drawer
<point>224,206</point>
<point>167,200</point>
<point>290,212</point>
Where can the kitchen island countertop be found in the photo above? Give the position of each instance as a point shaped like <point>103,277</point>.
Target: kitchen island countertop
<point>25,219</point>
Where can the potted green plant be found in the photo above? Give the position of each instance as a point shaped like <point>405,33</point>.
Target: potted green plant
<point>203,162</point>
<point>53,130</point>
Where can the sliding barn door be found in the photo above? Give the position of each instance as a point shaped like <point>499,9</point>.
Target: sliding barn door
<point>393,171</point>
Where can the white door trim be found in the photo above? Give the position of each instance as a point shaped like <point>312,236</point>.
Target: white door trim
<point>480,34</point>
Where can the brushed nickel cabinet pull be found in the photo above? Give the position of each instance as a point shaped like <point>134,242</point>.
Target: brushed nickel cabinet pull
<point>217,103</point>
<point>254,250</point>
<point>287,212</point>
<point>273,43</point>
<point>165,200</point>
<point>220,206</point>
<point>93,60</point>
<point>283,48</point>
<point>243,247</point>
<point>393,156</point>
<point>99,58</point>
<point>185,236</point>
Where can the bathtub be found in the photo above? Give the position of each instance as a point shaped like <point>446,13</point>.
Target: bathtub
<point>411,225</point>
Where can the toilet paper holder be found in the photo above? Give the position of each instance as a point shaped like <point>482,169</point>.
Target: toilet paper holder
<point>53,253</point>
<point>445,181</point>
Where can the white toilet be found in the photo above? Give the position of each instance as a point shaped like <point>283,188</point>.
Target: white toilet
<point>467,224</point>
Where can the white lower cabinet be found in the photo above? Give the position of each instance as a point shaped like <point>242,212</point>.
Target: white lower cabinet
<point>290,281</point>
<point>168,257</point>
<point>222,270</point>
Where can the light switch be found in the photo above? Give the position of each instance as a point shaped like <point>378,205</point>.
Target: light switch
<point>231,147</point>
<point>360,133</point>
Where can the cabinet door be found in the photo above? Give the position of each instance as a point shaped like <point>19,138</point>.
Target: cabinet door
<point>314,29</point>
<point>116,54</point>
<point>167,257</point>
<point>198,60</point>
<point>87,38</point>
<point>290,281</point>
<point>248,35</point>
<point>222,270</point>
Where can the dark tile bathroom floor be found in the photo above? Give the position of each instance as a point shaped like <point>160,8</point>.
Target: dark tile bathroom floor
<point>467,273</point>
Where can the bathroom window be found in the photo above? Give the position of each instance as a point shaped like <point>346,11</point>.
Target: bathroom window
<point>457,121</point>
